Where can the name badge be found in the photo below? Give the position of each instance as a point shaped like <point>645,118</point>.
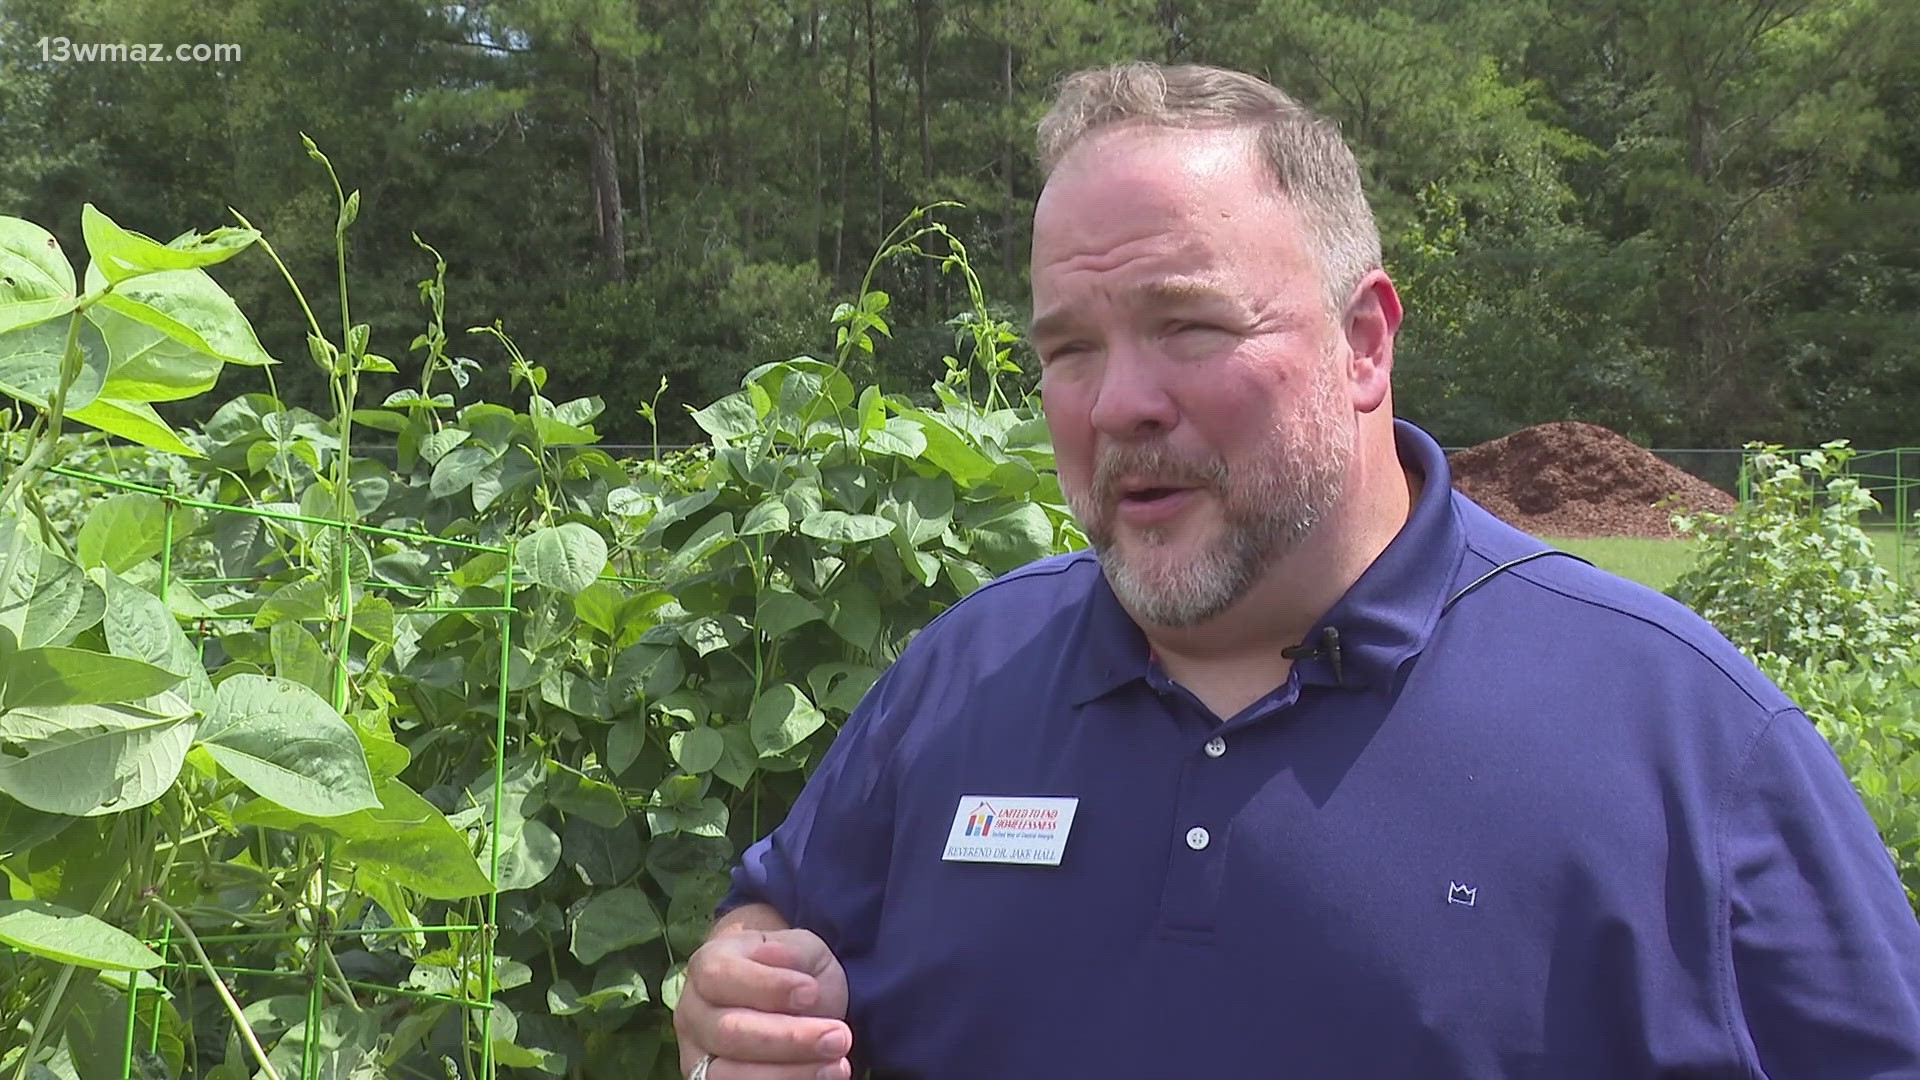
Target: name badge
<point>991,828</point>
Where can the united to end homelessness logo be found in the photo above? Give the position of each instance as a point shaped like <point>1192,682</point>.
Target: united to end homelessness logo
<point>61,50</point>
<point>980,823</point>
<point>1019,821</point>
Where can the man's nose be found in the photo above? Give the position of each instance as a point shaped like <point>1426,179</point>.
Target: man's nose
<point>1131,399</point>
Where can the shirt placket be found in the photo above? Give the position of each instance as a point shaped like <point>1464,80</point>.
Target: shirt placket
<point>1201,830</point>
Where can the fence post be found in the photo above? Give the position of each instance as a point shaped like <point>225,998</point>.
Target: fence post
<point>1900,514</point>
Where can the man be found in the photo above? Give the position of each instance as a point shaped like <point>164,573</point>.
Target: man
<point>1312,768</point>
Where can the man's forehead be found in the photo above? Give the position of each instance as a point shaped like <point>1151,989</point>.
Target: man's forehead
<point>1206,151</point>
<point>1160,291</point>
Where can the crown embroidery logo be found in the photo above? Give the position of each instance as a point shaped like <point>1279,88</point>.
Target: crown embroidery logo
<point>1460,894</point>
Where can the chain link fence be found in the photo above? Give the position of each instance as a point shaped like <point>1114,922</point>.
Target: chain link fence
<point>1891,476</point>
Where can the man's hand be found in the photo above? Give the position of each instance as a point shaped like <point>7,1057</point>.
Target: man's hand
<point>768,1004</point>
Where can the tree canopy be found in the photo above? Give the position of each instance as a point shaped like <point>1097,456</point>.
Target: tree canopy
<point>1694,223</point>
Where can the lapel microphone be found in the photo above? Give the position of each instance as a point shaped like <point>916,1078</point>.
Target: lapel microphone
<point>1329,647</point>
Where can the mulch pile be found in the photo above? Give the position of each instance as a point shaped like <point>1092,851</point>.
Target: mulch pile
<point>1574,480</point>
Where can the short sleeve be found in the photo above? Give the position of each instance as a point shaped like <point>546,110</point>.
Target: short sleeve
<point>824,867</point>
<point>1825,946</point>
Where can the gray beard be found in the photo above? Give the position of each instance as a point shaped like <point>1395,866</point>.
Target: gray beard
<point>1224,571</point>
<point>1268,513</point>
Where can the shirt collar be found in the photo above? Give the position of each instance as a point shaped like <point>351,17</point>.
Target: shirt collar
<point>1384,618</point>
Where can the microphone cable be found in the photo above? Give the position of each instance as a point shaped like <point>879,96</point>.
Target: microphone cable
<point>1330,636</point>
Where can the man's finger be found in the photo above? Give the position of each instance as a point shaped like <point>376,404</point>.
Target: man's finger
<point>808,996</point>
<point>798,952</point>
<point>723,1069</point>
<point>724,978</point>
<point>746,1035</point>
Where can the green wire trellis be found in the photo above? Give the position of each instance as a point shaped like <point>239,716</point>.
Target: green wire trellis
<point>340,615</point>
<point>1896,487</point>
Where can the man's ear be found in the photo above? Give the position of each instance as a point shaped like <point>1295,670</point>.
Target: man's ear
<point>1372,319</point>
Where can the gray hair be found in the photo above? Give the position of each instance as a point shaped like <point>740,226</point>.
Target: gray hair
<point>1311,163</point>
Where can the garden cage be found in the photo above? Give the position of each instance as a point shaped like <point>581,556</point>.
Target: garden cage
<point>303,957</point>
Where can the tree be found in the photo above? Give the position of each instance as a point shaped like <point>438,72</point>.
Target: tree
<point>583,53</point>
<point>1739,130</point>
<point>1688,222</point>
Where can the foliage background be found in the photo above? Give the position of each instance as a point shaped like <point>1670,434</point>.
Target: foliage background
<point>566,792</point>
<point>1693,223</point>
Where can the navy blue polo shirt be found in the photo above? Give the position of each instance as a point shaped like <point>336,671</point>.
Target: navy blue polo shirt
<point>1551,826</point>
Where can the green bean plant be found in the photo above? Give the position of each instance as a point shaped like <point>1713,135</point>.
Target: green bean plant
<point>431,765</point>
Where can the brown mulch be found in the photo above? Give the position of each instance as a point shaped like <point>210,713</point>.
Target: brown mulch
<point>1574,480</point>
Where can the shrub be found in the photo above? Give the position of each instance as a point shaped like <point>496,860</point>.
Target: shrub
<point>1791,572</point>
<point>1871,715</point>
<point>1792,579</point>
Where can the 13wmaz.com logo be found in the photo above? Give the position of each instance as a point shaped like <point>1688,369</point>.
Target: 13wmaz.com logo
<point>66,50</point>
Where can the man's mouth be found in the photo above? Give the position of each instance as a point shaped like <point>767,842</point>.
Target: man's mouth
<point>1147,496</point>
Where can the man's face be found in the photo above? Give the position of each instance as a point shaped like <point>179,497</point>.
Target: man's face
<point>1193,382</point>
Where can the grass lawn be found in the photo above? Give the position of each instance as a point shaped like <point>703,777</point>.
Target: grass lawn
<point>1656,563</point>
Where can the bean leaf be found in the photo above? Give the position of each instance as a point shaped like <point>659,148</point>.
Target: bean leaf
<point>614,920</point>
<point>64,604</point>
<point>148,365</point>
<point>287,744</point>
<point>404,840</point>
<point>36,281</point>
<point>87,760</point>
<point>732,417</point>
<point>72,937</point>
<point>58,675</point>
<point>781,719</point>
<point>134,421</point>
<point>30,359</point>
<point>566,557</point>
<point>698,750</point>
<point>189,307</point>
<point>122,253</point>
<point>123,531</point>
<point>780,610</point>
<point>838,525</point>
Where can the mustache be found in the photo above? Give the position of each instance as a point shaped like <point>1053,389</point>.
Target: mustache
<point>1156,463</point>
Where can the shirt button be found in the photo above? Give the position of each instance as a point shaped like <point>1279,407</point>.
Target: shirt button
<point>1197,838</point>
<point>1216,746</point>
